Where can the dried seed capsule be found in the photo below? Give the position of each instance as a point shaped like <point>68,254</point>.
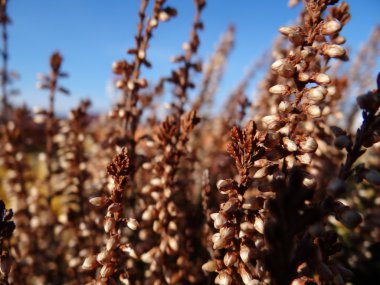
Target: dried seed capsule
<point>230,205</point>
<point>224,278</point>
<point>245,253</point>
<point>259,225</point>
<point>271,122</point>
<point>322,78</point>
<point>283,67</point>
<point>290,145</point>
<point>99,201</point>
<point>109,225</point>
<point>220,221</point>
<point>333,51</point>
<point>316,93</point>
<point>288,30</point>
<point>112,242</point>
<point>285,107</point>
<point>104,256</point>
<point>331,27</point>
<point>90,263</point>
<point>227,232</point>
<point>106,271</point>
<point>230,258</point>
<point>245,274</point>
<point>309,145</point>
<point>279,89</point>
<point>303,77</point>
<point>210,266</point>
<point>114,207</point>
<point>296,38</point>
<point>314,111</point>
<point>132,224</point>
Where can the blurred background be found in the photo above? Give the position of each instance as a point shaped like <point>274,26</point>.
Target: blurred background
<point>91,35</point>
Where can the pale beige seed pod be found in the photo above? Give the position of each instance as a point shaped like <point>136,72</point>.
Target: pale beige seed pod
<point>285,107</point>
<point>259,225</point>
<point>99,201</point>
<point>333,50</point>
<point>104,256</point>
<point>90,263</point>
<point>210,266</point>
<point>290,145</point>
<point>106,271</point>
<point>132,224</point>
<point>279,89</point>
<point>331,27</point>
<point>220,221</point>
<point>245,253</point>
<point>224,278</point>
<point>323,79</point>
<point>230,206</point>
<point>283,67</point>
<point>246,275</point>
<point>114,207</point>
<point>109,224</point>
<point>230,258</point>
<point>112,242</point>
<point>314,111</point>
<point>317,94</point>
<point>288,30</point>
<point>271,122</point>
<point>303,77</point>
<point>309,145</point>
<point>227,232</point>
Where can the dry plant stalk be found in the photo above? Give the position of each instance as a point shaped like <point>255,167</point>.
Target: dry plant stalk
<point>273,195</point>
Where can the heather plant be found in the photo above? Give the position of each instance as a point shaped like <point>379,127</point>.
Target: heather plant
<point>271,189</point>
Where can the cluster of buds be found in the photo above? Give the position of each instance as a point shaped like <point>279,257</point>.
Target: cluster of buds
<point>112,255</point>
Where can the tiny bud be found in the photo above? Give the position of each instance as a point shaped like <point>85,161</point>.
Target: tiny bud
<point>283,68</point>
<point>333,51</point>
<point>230,258</point>
<point>290,145</point>
<point>331,27</point>
<point>220,221</point>
<point>279,89</point>
<point>271,122</point>
<point>303,77</point>
<point>285,107</point>
<point>288,30</point>
<point>245,253</point>
<point>317,94</point>
<point>90,263</point>
<point>309,145</point>
<point>112,242</point>
<point>259,225</point>
<point>314,111</point>
<point>99,201</point>
<point>224,278</point>
<point>210,266</point>
<point>114,207</point>
<point>132,224</point>
<point>106,271</point>
<point>322,79</point>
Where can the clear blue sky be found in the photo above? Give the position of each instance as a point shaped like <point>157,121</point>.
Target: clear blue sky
<point>92,34</point>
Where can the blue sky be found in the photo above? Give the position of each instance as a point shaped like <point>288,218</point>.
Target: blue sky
<point>92,34</point>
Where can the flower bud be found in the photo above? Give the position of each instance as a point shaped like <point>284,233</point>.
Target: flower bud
<point>303,77</point>
<point>290,145</point>
<point>317,94</point>
<point>90,263</point>
<point>314,111</point>
<point>106,271</point>
<point>279,89</point>
<point>309,145</point>
<point>271,122</point>
<point>333,51</point>
<point>331,27</point>
<point>283,67</point>
<point>230,258</point>
<point>210,266</point>
<point>322,79</point>
<point>288,30</point>
<point>99,201</point>
<point>285,107</point>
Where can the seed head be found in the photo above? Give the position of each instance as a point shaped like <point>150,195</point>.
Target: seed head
<point>331,27</point>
